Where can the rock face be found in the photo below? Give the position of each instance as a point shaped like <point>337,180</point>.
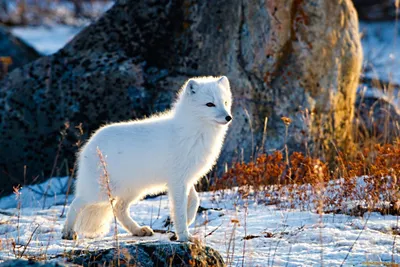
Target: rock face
<point>30,263</point>
<point>16,49</point>
<point>152,254</point>
<point>294,58</point>
<point>377,116</point>
<point>142,254</point>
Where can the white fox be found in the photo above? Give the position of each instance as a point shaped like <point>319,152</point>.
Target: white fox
<point>170,151</point>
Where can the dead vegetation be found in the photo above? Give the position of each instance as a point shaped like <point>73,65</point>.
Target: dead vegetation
<point>369,178</point>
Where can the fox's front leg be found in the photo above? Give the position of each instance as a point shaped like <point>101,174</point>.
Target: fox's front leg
<point>178,199</point>
<point>193,205</point>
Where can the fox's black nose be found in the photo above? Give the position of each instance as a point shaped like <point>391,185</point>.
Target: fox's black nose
<point>228,118</point>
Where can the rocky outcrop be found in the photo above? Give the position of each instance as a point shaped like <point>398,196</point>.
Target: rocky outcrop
<point>17,50</point>
<point>294,58</point>
<point>142,254</point>
<point>377,113</point>
<point>31,263</point>
<point>152,254</point>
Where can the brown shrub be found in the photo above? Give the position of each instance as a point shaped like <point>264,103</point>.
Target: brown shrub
<point>369,176</point>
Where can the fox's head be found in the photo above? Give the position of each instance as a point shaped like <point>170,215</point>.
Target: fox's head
<point>208,99</point>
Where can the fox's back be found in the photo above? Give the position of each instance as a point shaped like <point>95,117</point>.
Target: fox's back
<point>131,150</point>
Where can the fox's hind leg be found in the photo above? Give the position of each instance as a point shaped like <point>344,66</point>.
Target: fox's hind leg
<point>75,208</point>
<point>193,205</point>
<point>122,214</point>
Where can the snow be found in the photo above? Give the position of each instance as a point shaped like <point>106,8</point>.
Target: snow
<point>47,194</point>
<point>52,24</point>
<point>47,39</point>
<point>45,12</point>
<point>381,42</point>
<point>282,236</point>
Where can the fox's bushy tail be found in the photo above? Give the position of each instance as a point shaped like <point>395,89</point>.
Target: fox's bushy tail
<point>94,220</point>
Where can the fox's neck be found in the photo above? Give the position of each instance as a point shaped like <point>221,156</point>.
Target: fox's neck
<point>194,125</point>
<point>189,127</point>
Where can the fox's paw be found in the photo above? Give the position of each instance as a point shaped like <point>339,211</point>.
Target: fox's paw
<point>144,231</point>
<point>190,238</point>
<point>69,235</point>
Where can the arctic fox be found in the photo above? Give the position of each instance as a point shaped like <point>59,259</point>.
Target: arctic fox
<point>170,151</point>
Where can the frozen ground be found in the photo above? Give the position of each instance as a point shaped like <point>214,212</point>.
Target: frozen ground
<point>274,237</point>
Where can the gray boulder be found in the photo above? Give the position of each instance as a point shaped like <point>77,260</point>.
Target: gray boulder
<point>31,263</point>
<point>152,254</point>
<point>377,114</point>
<point>142,254</point>
<point>294,58</point>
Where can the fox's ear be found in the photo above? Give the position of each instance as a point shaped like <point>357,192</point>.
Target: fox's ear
<point>224,81</point>
<point>192,87</point>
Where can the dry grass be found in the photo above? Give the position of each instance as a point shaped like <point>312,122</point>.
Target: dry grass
<point>105,182</point>
<point>5,62</point>
<point>78,144</point>
<point>369,177</point>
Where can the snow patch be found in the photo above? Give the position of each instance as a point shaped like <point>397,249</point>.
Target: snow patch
<point>249,233</point>
<point>47,39</point>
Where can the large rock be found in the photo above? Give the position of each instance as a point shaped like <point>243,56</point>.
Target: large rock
<point>152,254</point>
<point>141,254</point>
<point>31,263</point>
<point>377,114</point>
<point>13,47</point>
<point>294,58</point>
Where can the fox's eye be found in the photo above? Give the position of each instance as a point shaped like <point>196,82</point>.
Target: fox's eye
<point>209,104</point>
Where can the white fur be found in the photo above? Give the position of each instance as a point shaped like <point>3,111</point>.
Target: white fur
<point>170,151</point>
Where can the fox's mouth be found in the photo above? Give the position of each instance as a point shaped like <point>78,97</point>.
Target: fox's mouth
<point>222,122</point>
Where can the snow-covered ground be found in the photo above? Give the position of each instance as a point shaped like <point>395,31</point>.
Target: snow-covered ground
<point>47,39</point>
<point>275,237</point>
<point>381,45</point>
<point>58,25</point>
